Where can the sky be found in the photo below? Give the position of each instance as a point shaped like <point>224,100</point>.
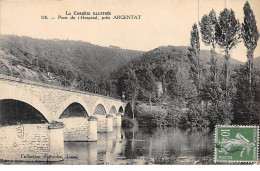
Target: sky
<point>162,22</point>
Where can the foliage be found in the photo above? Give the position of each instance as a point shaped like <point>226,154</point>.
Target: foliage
<point>128,110</point>
<point>208,29</point>
<point>173,117</point>
<point>147,83</point>
<point>219,114</point>
<point>129,87</point>
<point>171,82</point>
<point>127,122</point>
<point>208,26</point>
<point>212,92</point>
<point>167,66</point>
<point>227,37</point>
<point>195,39</point>
<point>150,118</point>
<point>129,84</point>
<point>246,102</point>
<point>227,30</point>
<point>194,56</point>
<point>197,116</point>
<point>250,36</point>
<point>250,33</point>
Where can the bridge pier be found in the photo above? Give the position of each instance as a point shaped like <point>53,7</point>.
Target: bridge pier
<point>119,133</point>
<point>114,119</point>
<point>109,147</point>
<point>101,123</point>
<point>56,141</point>
<point>92,153</point>
<point>76,128</point>
<point>32,142</point>
<point>118,119</point>
<point>109,123</point>
<point>92,128</point>
<point>118,144</point>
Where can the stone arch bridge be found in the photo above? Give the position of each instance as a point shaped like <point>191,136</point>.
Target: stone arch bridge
<point>36,118</point>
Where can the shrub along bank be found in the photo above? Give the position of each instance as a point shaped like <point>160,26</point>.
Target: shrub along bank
<point>170,116</point>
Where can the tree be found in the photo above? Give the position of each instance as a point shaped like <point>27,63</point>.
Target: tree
<point>227,37</point>
<point>208,31</point>
<point>171,82</point>
<point>212,92</point>
<point>147,82</point>
<point>195,40</point>
<point>250,36</point>
<point>246,101</point>
<point>194,56</point>
<point>130,86</point>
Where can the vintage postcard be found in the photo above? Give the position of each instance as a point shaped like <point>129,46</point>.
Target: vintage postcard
<point>129,82</point>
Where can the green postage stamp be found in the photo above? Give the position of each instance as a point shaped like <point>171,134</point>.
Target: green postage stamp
<point>236,143</point>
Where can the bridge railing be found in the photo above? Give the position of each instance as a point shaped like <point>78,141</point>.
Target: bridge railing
<point>90,89</point>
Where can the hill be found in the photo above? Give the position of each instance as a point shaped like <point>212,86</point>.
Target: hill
<point>63,61</point>
<point>177,52</point>
<point>257,62</point>
<point>167,67</point>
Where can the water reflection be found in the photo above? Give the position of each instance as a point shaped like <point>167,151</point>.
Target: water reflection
<point>142,146</point>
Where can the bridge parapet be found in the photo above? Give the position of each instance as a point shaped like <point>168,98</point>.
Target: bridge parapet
<point>50,98</point>
<point>64,88</point>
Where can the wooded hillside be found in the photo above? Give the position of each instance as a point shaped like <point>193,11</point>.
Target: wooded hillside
<point>68,62</point>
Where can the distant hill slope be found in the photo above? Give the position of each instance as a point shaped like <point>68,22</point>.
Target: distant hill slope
<point>176,54</point>
<point>65,60</point>
<point>178,51</point>
<point>257,62</point>
<point>170,67</point>
<point>171,54</point>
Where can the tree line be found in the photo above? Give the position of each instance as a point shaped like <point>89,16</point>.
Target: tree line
<point>227,101</point>
<point>209,92</point>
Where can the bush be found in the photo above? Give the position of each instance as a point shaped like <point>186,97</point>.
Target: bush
<point>150,118</point>
<point>128,110</point>
<point>173,117</point>
<point>184,121</point>
<point>128,123</point>
<point>197,116</point>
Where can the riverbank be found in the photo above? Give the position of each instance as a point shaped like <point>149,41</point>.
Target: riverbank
<point>173,160</point>
<point>153,116</point>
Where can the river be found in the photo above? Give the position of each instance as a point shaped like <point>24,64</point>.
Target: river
<point>141,146</point>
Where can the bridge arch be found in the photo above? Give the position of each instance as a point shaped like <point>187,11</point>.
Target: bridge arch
<point>68,102</point>
<point>74,110</point>
<point>32,101</point>
<point>112,110</point>
<point>121,109</point>
<point>15,112</point>
<point>100,104</point>
<point>99,110</point>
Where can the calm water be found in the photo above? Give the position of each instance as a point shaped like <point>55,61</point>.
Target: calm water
<point>142,146</point>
